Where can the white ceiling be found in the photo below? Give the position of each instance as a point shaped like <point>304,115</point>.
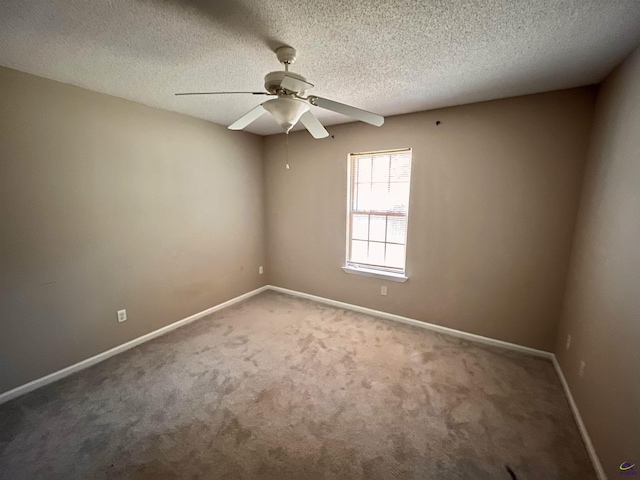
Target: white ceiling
<point>390,57</point>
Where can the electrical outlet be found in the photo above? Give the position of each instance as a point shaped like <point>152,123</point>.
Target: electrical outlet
<point>122,315</point>
<point>581,371</point>
<point>260,270</point>
<point>568,342</point>
<point>383,290</point>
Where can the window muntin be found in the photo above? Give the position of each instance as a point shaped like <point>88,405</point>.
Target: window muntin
<point>379,184</point>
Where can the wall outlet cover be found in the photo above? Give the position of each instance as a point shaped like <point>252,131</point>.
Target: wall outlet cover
<point>122,315</point>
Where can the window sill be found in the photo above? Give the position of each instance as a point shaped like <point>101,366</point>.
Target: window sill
<point>367,272</point>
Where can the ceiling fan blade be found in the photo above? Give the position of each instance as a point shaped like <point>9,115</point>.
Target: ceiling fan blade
<point>247,118</point>
<point>221,93</point>
<point>314,126</point>
<point>347,110</point>
<point>293,84</point>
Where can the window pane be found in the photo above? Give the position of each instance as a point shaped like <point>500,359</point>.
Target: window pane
<point>395,256</point>
<point>380,169</point>
<point>400,168</point>
<point>378,228</point>
<point>376,253</point>
<point>363,170</point>
<point>379,197</point>
<point>359,251</point>
<point>364,197</point>
<point>360,227</point>
<point>398,197</point>
<point>396,229</point>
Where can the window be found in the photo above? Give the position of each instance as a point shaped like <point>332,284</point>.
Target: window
<point>378,213</point>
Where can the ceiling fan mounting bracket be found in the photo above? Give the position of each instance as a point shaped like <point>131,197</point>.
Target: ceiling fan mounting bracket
<point>286,55</point>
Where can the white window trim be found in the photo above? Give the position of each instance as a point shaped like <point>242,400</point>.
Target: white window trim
<point>369,272</point>
<point>358,269</point>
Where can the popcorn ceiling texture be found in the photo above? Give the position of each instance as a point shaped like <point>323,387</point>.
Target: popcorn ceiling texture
<point>391,57</point>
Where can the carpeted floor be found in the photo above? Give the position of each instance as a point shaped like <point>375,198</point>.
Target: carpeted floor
<point>284,388</point>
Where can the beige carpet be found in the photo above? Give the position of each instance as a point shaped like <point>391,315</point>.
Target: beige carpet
<point>284,388</point>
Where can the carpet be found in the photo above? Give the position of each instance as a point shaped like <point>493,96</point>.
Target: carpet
<point>280,387</point>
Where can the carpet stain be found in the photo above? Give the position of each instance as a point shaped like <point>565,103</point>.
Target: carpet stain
<point>237,341</point>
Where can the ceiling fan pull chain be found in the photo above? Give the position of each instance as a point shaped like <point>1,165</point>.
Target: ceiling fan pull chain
<point>286,150</point>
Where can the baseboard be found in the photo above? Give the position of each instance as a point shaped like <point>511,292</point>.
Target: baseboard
<point>417,323</point>
<point>52,377</point>
<point>40,382</point>
<point>595,461</point>
<point>474,338</point>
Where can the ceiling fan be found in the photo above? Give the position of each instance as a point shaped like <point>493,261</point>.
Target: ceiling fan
<point>291,104</point>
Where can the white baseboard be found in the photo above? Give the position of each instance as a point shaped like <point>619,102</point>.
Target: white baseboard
<point>40,382</point>
<point>474,338</point>
<point>52,377</point>
<point>597,466</point>
<point>417,323</point>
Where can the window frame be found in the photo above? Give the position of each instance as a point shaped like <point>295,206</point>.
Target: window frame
<point>371,270</point>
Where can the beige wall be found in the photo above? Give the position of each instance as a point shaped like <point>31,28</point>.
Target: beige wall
<point>494,196</point>
<point>602,306</point>
<point>107,204</point>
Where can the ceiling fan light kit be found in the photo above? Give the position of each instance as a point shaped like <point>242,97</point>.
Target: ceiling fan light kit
<point>286,111</point>
<point>291,104</point>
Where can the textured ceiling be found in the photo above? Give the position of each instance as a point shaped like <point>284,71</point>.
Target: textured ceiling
<point>390,57</point>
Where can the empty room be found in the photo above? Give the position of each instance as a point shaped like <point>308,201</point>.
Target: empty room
<point>320,240</point>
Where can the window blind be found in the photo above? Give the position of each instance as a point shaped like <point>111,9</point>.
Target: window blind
<point>379,184</point>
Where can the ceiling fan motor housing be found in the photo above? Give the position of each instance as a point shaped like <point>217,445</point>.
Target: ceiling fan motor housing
<point>273,80</point>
